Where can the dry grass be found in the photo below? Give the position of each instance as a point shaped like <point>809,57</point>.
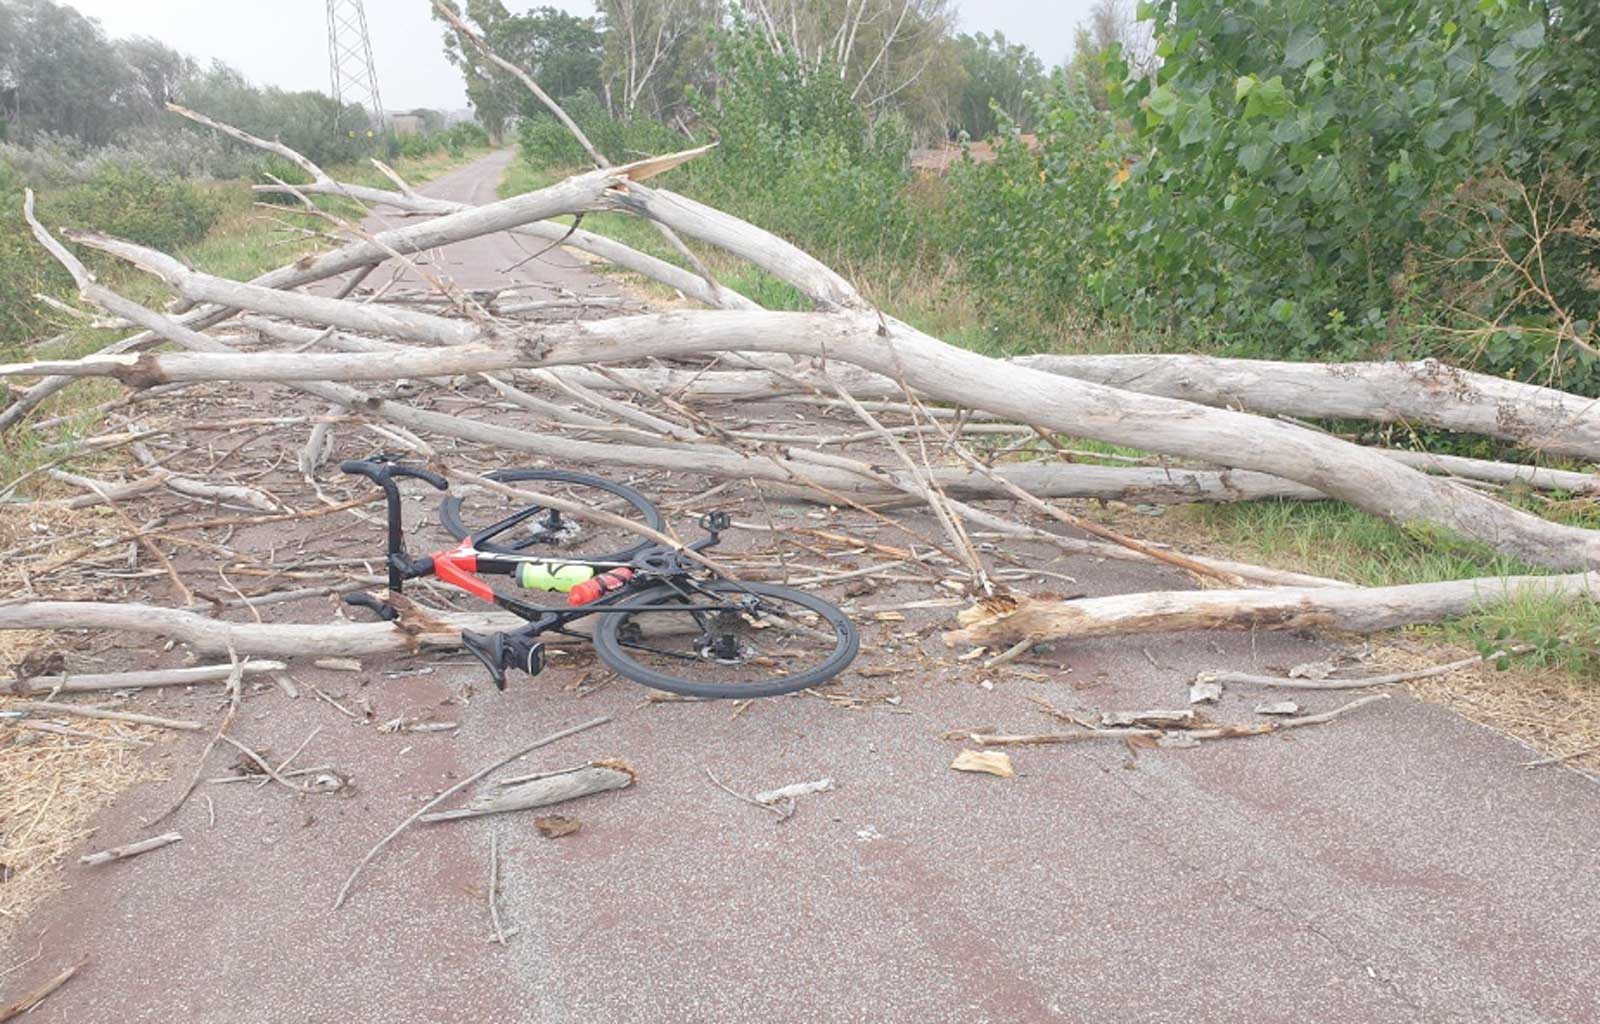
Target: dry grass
<point>54,786</point>
<point>1552,711</point>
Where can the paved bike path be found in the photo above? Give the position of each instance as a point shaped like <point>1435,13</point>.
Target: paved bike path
<point>1397,865</point>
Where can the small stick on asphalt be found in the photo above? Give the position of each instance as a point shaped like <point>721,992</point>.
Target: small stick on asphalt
<point>1283,683</point>
<point>38,995</point>
<point>344,890</point>
<point>130,850</point>
<point>272,773</point>
<point>235,688</point>
<point>494,887</point>
<point>297,750</point>
<point>782,812</point>
<point>336,705</point>
<point>297,773</point>
<point>1222,732</point>
<point>1560,757</point>
<point>1011,653</point>
<point>136,680</point>
<point>50,707</point>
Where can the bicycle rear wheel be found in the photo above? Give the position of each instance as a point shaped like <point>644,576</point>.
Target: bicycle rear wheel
<point>551,531</point>
<point>725,639</point>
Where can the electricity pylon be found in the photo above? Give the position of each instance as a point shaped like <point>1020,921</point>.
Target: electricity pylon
<point>355,77</point>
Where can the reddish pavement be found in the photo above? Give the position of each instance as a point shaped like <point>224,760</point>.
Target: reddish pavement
<point>1397,865</point>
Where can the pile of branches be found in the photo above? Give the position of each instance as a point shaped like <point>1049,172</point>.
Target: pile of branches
<point>630,389</point>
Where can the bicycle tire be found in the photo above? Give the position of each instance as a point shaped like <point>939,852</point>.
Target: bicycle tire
<point>614,653</point>
<point>450,511</point>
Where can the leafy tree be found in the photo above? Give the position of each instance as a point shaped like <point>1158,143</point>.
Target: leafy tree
<point>1110,24</point>
<point>63,74</point>
<point>159,70</point>
<point>561,51</point>
<point>1293,148</point>
<point>999,75</point>
<point>306,121</point>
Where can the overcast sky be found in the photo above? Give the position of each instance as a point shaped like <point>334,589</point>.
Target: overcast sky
<point>284,42</point>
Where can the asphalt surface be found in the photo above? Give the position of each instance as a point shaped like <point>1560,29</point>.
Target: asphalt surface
<point>1396,865</point>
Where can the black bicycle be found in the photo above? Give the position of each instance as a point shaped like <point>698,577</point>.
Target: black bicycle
<point>662,618</point>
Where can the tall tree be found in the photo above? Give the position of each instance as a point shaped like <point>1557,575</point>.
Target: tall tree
<point>159,71</point>
<point>999,74</point>
<point>64,74</point>
<point>563,52</point>
<point>892,54</point>
<point>1110,23</point>
<point>653,48</point>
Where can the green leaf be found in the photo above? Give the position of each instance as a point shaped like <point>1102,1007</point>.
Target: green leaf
<point>1305,45</point>
<point>1282,310</point>
<point>1254,156</point>
<point>1268,99</point>
<point>1243,86</point>
<point>1529,37</point>
<point>1162,101</point>
<point>1502,56</point>
<point>1196,126</point>
<point>1325,176</point>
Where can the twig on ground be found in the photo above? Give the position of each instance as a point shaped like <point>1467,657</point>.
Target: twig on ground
<point>130,850</point>
<point>1286,683</point>
<point>344,890</point>
<point>1219,733</point>
<point>38,995</point>
<point>494,887</point>
<point>783,810</point>
<point>51,707</point>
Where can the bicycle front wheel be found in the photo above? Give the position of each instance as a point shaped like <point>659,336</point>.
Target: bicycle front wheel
<point>550,531</point>
<point>725,639</point>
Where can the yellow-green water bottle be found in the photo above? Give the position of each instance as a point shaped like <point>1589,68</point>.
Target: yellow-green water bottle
<point>557,576</point>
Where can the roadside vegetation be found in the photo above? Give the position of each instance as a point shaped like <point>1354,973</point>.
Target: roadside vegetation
<point>130,169</point>
<point>1298,181</point>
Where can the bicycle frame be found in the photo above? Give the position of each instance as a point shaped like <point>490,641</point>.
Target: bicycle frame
<point>464,567</point>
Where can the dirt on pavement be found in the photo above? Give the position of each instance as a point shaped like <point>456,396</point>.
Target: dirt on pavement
<point>1396,865</point>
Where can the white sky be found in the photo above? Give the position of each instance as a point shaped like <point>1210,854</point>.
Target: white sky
<point>284,42</point>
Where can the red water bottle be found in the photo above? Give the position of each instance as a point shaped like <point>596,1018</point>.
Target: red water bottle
<point>593,590</point>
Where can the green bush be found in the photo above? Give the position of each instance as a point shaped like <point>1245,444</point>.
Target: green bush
<point>798,157</point>
<point>546,142</point>
<point>127,202</point>
<point>138,205</point>
<point>1308,180</point>
<point>25,269</point>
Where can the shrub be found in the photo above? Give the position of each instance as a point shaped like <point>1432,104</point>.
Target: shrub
<point>25,268</point>
<point>141,206</point>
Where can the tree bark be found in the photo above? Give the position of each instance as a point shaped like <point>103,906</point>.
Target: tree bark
<point>1002,621</point>
<point>1425,392</point>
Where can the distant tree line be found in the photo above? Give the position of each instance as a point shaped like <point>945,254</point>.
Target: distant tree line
<point>62,76</point>
<point>659,59</point>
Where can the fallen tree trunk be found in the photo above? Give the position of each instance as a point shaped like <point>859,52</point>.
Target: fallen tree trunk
<point>849,330</point>
<point>1425,392</point>
<point>1367,480</point>
<point>1004,621</point>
